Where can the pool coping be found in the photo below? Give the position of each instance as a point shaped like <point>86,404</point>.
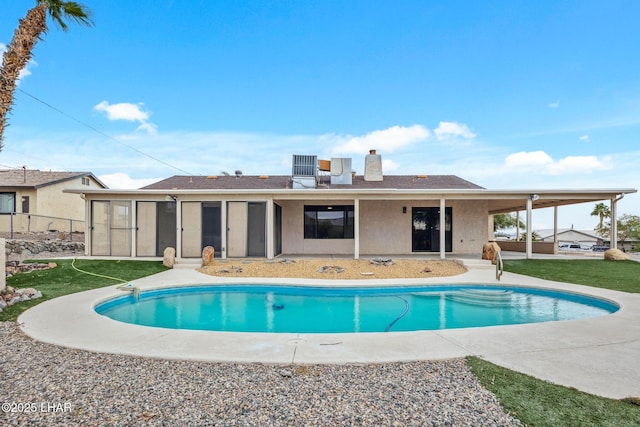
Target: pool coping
<point>597,355</point>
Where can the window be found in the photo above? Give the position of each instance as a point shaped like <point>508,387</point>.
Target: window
<point>25,204</point>
<point>86,181</point>
<point>7,203</point>
<point>328,222</point>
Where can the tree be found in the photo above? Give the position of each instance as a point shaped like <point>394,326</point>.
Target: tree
<point>506,221</point>
<point>535,237</point>
<point>628,228</point>
<point>19,52</point>
<point>601,211</point>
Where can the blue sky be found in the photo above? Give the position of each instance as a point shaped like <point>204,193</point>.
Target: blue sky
<point>506,94</point>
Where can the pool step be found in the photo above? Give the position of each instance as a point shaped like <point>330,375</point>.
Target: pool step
<point>478,264</point>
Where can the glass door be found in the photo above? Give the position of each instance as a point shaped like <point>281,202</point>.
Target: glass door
<point>425,230</point>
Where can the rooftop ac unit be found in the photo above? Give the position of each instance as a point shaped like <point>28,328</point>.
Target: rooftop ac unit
<point>340,171</point>
<point>304,171</point>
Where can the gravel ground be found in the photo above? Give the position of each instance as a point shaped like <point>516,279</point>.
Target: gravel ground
<point>334,268</point>
<point>63,386</point>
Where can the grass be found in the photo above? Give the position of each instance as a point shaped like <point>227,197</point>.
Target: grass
<point>539,403</point>
<point>599,273</point>
<point>64,279</point>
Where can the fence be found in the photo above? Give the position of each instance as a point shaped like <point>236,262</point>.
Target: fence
<point>40,227</point>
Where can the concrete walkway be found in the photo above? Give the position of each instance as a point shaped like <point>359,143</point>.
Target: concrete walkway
<point>597,355</point>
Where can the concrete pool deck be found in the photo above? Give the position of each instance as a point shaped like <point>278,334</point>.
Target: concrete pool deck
<point>597,355</point>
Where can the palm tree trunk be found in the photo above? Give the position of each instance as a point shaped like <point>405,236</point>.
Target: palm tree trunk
<point>17,56</point>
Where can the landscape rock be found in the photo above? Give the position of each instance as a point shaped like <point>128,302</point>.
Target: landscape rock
<point>169,257</point>
<point>28,248</point>
<point>208,254</point>
<point>616,255</point>
<point>489,251</point>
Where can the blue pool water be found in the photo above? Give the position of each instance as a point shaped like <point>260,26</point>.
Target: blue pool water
<point>253,308</point>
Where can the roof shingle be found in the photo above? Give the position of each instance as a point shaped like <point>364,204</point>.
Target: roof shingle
<point>278,182</point>
<point>33,178</point>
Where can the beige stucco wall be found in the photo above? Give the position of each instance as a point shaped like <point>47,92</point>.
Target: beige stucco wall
<point>293,241</point>
<point>521,246</point>
<point>50,201</point>
<point>470,225</point>
<point>384,229</point>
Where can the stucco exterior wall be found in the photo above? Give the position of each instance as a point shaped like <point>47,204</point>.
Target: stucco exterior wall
<point>293,241</point>
<point>50,201</point>
<point>470,225</point>
<point>384,228</point>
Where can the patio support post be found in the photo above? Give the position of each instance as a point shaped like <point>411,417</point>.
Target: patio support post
<point>224,206</point>
<point>443,228</point>
<point>134,228</point>
<point>88,227</point>
<point>270,225</point>
<point>356,228</point>
<point>613,235</point>
<point>555,228</point>
<point>529,243</point>
<point>178,228</point>
<point>517,225</point>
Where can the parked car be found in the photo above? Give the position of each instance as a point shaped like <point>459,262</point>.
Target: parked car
<point>570,247</point>
<point>597,248</point>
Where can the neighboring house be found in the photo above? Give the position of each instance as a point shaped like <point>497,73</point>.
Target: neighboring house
<point>307,213</point>
<point>569,236</point>
<point>34,201</point>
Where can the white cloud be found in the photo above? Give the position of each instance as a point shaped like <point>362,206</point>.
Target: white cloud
<point>129,112</point>
<point>541,162</point>
<point>123,181</point>
<point>385,141</point>
<point>528,159</point>
<point>584,138</point>
<point>554,104</point>
<point>573,164</point>
<point>25,71</point>
<point>149,128</point>
<point>389,165</point>
<point>123,111</point>
<point>452,130</point>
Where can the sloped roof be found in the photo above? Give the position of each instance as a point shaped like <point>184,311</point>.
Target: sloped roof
<point>252,182</point>
<point>549,232</point>
<point>33,178</point>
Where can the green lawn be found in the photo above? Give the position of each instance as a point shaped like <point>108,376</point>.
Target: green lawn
<point>540,403</point>
<point>599,273</point>
<point>64,279</point>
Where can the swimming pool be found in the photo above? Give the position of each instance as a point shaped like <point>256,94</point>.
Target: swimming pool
<point>306,309</point>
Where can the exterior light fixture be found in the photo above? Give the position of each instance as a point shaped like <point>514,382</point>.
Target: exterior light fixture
<point>404,209</point>
<point>534,197</point>
<point>170,198</point>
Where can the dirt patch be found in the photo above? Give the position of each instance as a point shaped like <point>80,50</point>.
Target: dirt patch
<point>334,269</point>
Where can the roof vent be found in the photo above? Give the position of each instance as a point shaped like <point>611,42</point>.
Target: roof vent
<point>304,171</point>
<point>373,166</point>
<point>238,173</point>
<point>340,171</point>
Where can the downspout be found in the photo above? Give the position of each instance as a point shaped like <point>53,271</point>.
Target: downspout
<point>613,235</point>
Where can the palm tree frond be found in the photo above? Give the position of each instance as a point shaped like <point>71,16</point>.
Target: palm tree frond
<point>62,12</point>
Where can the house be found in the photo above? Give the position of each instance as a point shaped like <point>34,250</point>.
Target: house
<point>317,210</point>
<point>570,236</point>
<point>34,201</point>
